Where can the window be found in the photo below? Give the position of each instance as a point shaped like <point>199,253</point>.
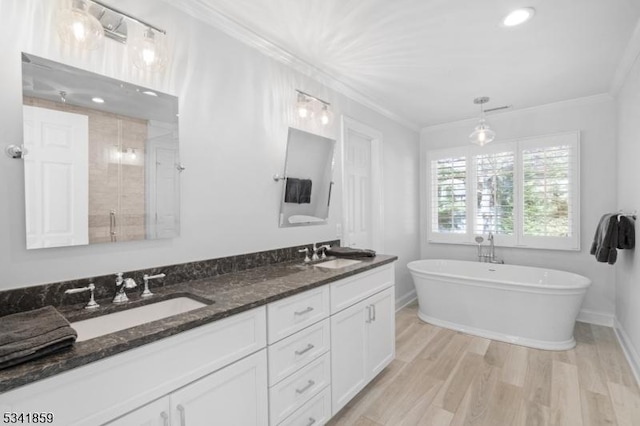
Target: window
<point>525,192</point>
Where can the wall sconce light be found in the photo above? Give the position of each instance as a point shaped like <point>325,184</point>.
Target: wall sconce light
<point>482,134</point>
<point>310,107</point>
<point>85,23</point>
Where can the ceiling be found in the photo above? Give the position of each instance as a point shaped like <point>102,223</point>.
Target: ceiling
<point>426,60</point>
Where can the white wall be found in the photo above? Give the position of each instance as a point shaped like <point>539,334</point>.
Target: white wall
<point>628,190</point>
<point>235,107</point>
<point>595,118</point>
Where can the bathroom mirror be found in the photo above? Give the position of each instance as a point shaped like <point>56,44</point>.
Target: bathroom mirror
<point>307,181</point>
<point>101,160</point>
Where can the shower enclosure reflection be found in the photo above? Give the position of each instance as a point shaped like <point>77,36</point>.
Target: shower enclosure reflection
<point>102,160</point>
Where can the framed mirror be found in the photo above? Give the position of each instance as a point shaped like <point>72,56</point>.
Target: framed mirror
<point>101,160</point>
<point>307,181</point>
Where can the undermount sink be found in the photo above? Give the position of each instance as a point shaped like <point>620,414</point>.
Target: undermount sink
<point>110,323</point>
<point>337,263</point>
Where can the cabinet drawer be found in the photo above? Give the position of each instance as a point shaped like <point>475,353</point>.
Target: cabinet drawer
<point>348,291</point>
<point>294,313</point>
<point>294,352</point>
<point>316,412</point>
<point>292,392</point>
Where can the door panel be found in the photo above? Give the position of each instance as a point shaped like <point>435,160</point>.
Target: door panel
<point>56,168</point>
<point>381,332</point>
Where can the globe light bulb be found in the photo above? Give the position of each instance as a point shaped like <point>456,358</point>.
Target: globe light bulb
<point>78,27</point>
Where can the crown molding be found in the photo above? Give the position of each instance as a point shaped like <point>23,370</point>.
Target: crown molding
<point>205,12</point>
<point>629,58</point>
<point>570,103</point>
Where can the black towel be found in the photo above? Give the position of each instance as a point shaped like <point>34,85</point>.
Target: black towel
<point>297,191</point>
<point>626,232</point>
<point>349,252</point>
<point>28,335</point>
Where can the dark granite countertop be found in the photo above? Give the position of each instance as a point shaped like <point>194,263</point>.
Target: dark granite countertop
<point>226,295</point>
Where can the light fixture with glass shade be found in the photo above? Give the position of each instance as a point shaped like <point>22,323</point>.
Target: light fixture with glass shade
<point>309,107</point>
<point>85,23</point>
<point>149,51</point>
<point>482,134</point>
<point>78,27</point>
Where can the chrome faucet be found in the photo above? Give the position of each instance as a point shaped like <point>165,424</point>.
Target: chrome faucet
<point>487,257</point>
<point>315,252</point>
<point>121,285</point>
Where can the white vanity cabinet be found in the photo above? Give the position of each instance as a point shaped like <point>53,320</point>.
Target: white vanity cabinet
<point>296,361</point>
<point>299,360</point>
<point>235,395</point>
<point>363,333</point>
<point>214,359</point>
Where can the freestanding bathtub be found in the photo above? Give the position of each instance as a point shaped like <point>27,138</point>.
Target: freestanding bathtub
<point>526,306</point>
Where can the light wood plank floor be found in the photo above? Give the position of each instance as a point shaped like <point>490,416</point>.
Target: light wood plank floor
<point>445,378</point>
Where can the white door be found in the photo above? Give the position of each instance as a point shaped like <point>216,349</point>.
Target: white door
<point>362,175</point>
<point>163,184</point>
<point>235,395</point>
<point>56,169</point>
<point>348,354</point>
<point>155,413</point>
<point>381,332</point>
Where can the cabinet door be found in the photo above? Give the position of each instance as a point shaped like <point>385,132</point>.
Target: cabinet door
<point>235,395</point>
<point>348,351</point>
<point>155,413</point>
<point>381,347</point>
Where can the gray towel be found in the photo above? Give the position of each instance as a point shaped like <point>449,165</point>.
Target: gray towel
<point>349,252</point>
<point>32,334</point>
<point>605,240</point>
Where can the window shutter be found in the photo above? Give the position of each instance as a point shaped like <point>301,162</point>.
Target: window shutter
<point>548,191</point>
<point>449,195</point>
<point>494,185</point>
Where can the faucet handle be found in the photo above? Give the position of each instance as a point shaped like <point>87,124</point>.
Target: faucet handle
<point>130,283</point>
<point>92,304</point>
<point>306,254</point>
<point>119,279</point>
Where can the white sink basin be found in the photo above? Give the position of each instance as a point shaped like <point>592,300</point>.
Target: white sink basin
<point>110,323</point>
<point>337,263</point>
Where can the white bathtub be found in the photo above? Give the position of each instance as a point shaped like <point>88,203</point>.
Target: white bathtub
<point>526,306</point>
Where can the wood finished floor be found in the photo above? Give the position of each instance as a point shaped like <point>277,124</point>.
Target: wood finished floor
<point>445,378</point>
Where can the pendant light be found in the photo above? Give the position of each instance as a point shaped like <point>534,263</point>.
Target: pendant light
<point>78,27</point>
<point>482,134</point>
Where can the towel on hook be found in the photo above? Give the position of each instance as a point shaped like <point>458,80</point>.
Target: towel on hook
<point>297,191</point>
<point>626,232</point>
<point>605,239</point>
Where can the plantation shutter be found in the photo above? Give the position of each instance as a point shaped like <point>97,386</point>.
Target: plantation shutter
<point>449,195</point>
<point>494,185</point>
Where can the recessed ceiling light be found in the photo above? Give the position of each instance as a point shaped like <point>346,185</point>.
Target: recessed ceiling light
<point>518,16</point>
<point>97,100</point>
<point>150,93</point>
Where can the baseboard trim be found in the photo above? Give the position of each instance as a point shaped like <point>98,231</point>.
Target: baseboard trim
<point>627,347</point>
<point>593,317</point>
<point>405,300</point>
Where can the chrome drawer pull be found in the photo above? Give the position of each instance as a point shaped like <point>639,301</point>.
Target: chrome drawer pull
<point>306,311</point>
<point>368,320</point>
<point>165,418</point>
<point>306,388</point>
<point>311,421</point>
<point>307,349</point>
<point>183,421</point>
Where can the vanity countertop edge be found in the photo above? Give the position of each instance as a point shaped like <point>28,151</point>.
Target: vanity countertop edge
<point>231,294</point>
